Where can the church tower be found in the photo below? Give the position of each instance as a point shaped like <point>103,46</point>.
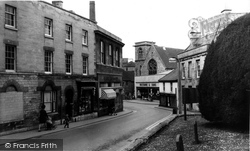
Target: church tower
<point>141,51</point>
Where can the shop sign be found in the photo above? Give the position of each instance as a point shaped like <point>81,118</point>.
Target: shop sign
<point>143,84</point>
<point>201,27</point>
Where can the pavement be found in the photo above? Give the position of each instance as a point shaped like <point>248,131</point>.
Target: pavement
<point>132,146</point>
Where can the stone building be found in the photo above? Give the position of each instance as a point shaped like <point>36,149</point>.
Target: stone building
<point>109,71</point>
<point>192,60</point>
<point>128,77</point>
<point>48,56</point>
<point>152,62</point>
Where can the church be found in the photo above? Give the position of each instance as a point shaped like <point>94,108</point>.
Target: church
<point>152,62</point>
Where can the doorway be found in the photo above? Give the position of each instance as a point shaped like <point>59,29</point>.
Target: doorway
<point>69,95</point>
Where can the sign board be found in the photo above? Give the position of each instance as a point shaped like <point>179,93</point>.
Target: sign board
<point>201,27</point>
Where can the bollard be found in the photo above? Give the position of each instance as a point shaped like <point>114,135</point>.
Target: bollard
<point>196,133</point>
<point>179,143</point>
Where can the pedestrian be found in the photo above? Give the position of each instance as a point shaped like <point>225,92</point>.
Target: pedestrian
<point>42,117</point>
<point>66,121</point>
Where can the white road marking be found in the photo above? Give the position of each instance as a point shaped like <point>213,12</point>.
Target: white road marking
<point>157,123</point>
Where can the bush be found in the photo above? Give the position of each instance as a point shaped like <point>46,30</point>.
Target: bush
<point>225,77</point>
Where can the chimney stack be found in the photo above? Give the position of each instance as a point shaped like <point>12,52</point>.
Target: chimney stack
<point>58,3</point>
<point>92,11</point>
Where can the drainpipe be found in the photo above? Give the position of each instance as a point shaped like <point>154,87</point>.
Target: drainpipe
<point>179,86</point>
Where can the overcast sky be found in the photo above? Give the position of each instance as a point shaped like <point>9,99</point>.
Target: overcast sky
<point>162,21</point>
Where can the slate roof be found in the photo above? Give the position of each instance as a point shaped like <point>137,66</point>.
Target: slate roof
<point>165,53</point>
<point>128,75</point>
<point>172,76</point>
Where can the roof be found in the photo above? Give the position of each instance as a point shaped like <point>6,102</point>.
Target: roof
<point>149,78</point>
<point>130,64</point>
<point>165,53</point>
<point>172,76</point>
<point>128,76</point>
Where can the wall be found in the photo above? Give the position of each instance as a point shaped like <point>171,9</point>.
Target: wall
<point>153,54</point>
<point>31,38</point>
<point>168,87</point>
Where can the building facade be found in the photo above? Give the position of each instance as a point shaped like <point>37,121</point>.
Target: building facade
<point>109,71</point>
<point>168,86</point>
<point>48,57</point>
<point>192,60</point>
<point>152,62</point>
<point>128,77</point>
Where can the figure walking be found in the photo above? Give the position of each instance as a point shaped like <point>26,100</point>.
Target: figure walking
<point>42,118</point>
<point>66,121</point>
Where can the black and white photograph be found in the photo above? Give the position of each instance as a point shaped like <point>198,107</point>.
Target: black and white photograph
<point>124,75</point>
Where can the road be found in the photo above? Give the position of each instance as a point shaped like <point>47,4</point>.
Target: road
<point>113,134</point>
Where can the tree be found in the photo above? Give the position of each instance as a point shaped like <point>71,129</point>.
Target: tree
<point>226,75</point>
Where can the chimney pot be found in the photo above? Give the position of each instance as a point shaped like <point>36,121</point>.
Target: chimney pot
<point>57,3</point>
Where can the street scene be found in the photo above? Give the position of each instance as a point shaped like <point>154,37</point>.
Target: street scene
<point>124,76</point>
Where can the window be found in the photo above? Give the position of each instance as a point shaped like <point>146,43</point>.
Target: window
<point>111,55</point>
<point>48,27</point>
<point>103,53</point>
<point>171,86</point>
<point>85,65</point>
<point>10,16</point>
<point>68,63</point>
<point>152,67</point>
<point>189,69</point>
<point>140,53</point>
<point>163,86</point>
<point>48,60</point>
<point>49,99</point>
<point>183,70</point>
<point>68,32</point>
<point>84,37</point>
<point>117,58</point>
<point>198,69</point>
<point>140,70</point>
<point>10,57</point>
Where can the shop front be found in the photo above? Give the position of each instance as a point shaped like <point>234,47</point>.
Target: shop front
<point>107,101</point>
<point>86,99</point>
<point>110,93</point>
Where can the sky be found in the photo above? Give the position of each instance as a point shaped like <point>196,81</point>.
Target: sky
<point>164,22</point>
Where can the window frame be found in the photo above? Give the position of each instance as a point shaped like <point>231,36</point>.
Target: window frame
<point>111,61</point>
<point>117,59</point>
<point>69,30</point>
<point>152,71</point>
<point>140,53</point>
<point>190,69</point>
<point>85,65</point>
<point>183,70</point>
<point>10,59</point>
<point>85,37</point>
<point>68,63</point>
<point>13,16</point>
<point>198,68</point>
<point>52,100</point>
<point>50,27</point>
<point>48,63</point>
<point>103,60</point>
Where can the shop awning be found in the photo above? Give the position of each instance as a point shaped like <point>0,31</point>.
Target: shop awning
<point>108,94</point>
